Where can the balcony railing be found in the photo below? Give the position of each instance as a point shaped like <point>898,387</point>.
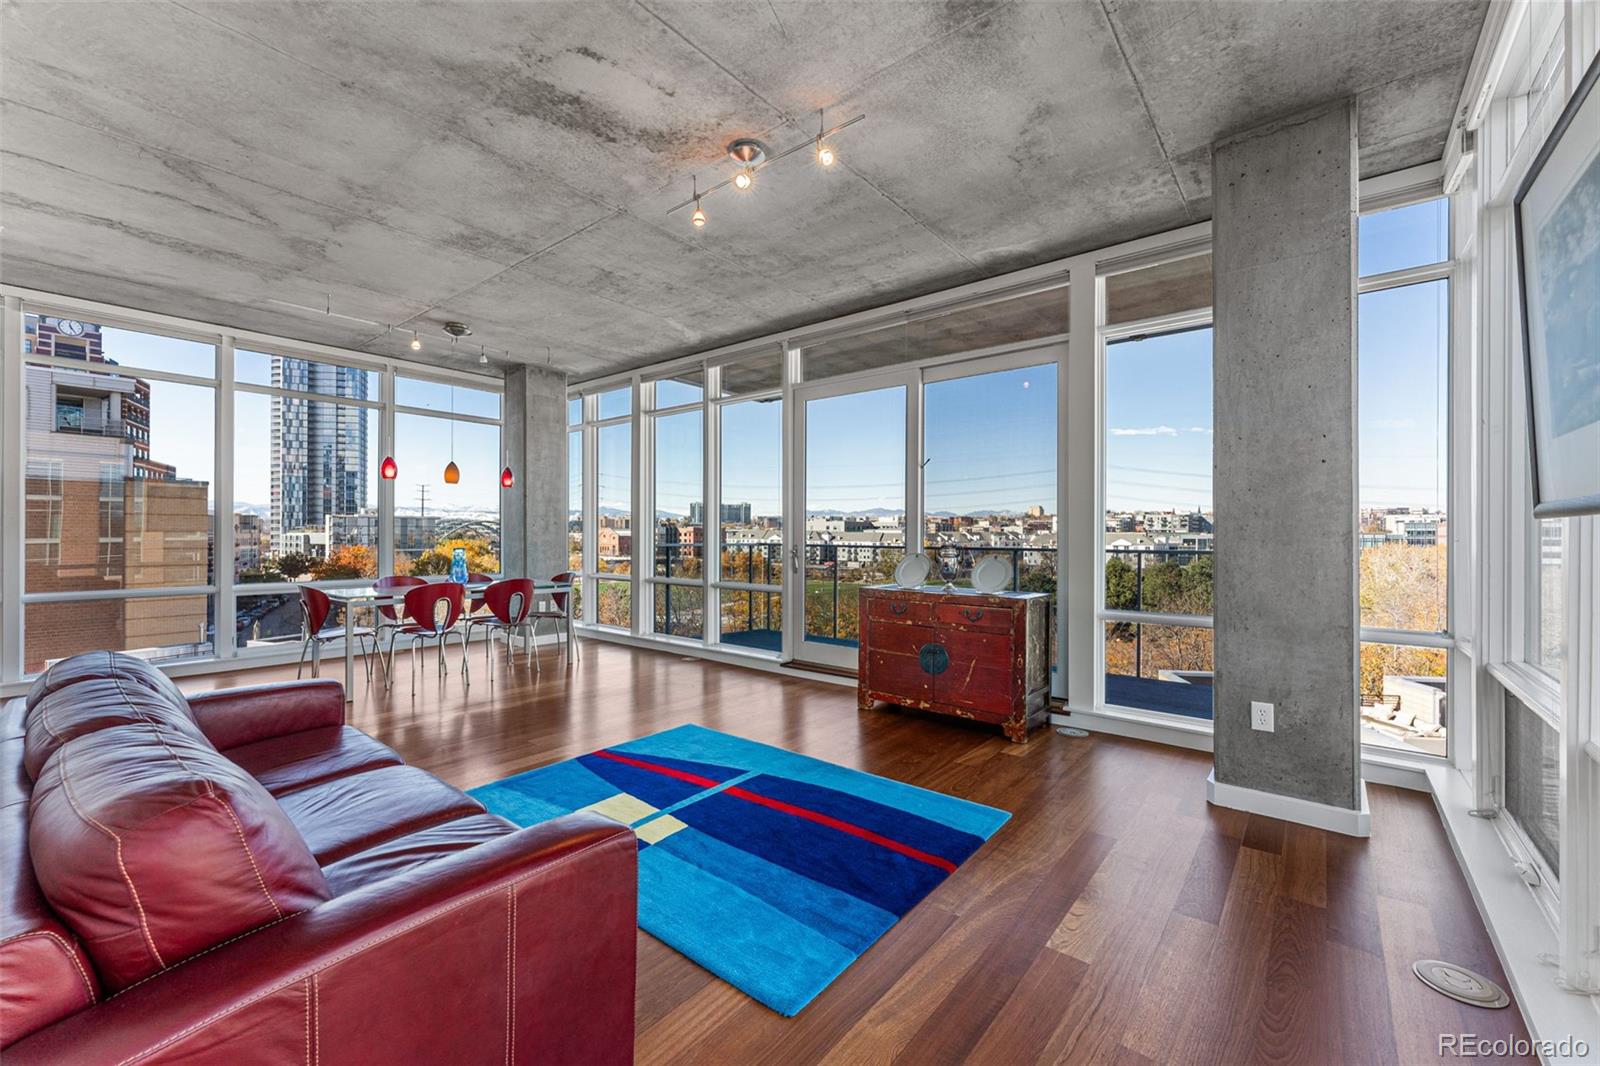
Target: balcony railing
<point>95,427</point>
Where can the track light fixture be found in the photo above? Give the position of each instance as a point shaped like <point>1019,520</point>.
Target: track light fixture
<point>699,216</point>
<point>483,356</point>
<point>416,342</point>
<point>752,156</point>
<point>825,155</point>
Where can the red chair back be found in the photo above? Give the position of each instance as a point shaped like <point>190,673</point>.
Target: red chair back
<point>314,609</point>
<point>510,599</point>
<point>394,582</point>
<point>566,577</point>
<point>476,598</point>
<point>423,605</point>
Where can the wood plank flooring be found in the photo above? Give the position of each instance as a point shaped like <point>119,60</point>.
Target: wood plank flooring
<point>1117,918</point>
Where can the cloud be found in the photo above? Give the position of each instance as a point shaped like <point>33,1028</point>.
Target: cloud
<point>1144,431</point>
<point>1200,429</point>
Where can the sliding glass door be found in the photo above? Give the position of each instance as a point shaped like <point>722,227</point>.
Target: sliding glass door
<point>849,508</point>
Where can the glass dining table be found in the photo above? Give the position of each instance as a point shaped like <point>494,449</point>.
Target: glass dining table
<point>371,596</point>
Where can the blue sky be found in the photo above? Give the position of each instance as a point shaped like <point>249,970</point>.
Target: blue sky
<point>989,438</point>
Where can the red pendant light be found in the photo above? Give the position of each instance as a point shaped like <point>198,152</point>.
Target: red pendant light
<point>387,470</point>
<point>506,479</point>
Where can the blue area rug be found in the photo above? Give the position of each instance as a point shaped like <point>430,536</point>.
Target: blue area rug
<point>772,870</point>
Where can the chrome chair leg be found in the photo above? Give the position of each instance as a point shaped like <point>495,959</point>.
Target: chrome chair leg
<point>305,646</point>
<point>316,657</point>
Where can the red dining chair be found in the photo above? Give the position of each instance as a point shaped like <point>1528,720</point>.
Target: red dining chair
<point>315,607</point>
<point>510,602</point>
<point>558,613</point>
<point>389,619</point>
<point>475,599</point>
<point>433,609</point>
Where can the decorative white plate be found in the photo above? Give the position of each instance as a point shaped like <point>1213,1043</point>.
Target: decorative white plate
<point>912,571</point>
<point>992,574</point>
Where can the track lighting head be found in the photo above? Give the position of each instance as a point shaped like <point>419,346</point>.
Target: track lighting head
<point>698,219</point>
<point>416,342</point>
<point>483,356</point>
<point>825,154</point>
<point>743,179</point>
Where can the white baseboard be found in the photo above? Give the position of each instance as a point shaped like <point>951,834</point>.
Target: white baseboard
<point>1355,823</point>
<point>1162,729</point>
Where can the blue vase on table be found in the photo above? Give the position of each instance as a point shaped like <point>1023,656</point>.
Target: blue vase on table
<point>458,565</point>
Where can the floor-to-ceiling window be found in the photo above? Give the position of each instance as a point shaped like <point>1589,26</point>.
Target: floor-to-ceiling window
<point>678,532</point>
<point>119,444</point>
<point>305,434</point>
<point>1159,526</point>
<point>989,472</point>
<point>749,522</point>
<point>1403,360</point>
<point>609,573</point>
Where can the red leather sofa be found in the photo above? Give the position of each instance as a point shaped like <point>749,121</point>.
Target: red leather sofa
<point>240,877</point>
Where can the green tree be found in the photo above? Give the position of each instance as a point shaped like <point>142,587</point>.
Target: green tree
<point>294,565</point>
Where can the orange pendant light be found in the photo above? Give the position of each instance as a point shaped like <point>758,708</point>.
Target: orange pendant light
<point>452,474</point>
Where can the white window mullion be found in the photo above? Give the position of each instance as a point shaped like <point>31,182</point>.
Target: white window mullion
<point>711,507</point>
<point>223,608</point>
<point>13,441</point>
<point>1080,454</point>
<point>636,585</point>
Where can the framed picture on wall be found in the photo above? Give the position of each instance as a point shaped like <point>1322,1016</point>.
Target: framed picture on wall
<point>1558,256</point>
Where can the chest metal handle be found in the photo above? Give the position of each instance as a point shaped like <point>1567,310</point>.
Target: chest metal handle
<point>972,614</point>
<point>898,607</point>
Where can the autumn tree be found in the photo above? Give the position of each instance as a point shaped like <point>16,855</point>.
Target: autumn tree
<point>347,561</point>
<point>436,560</point>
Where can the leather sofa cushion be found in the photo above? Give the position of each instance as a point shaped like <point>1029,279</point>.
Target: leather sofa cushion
<point>152,846</point>
<point>349,814</point>
<point>99,703</point>
<point>405,853</point>
<point>299,760</point>
<point>131,672</point>
<point>44,973</point>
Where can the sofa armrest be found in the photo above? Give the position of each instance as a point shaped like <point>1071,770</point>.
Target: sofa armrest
<point>233,716</point>
<point>521,949</point>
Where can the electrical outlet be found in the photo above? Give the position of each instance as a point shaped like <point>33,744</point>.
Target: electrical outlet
<point>1261,716</point>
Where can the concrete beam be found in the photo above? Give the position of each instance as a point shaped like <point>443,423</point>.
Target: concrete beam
<point>533,512</point>
<point>1284,300</point>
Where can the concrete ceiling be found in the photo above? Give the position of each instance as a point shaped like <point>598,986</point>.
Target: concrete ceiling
<point>510,164</point>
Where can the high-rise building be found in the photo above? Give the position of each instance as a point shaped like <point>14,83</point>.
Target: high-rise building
<point>319,446</point>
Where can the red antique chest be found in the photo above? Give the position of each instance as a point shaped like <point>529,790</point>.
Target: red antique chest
<point>971,654</point>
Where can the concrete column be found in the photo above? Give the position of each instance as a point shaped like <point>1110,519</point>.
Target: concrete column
<point>534,510</point>
<point>1284,218</point>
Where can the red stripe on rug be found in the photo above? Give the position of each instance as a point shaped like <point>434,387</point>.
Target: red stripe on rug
<point>844,827</point>
<point>788,808</point>
<point>693,779</point>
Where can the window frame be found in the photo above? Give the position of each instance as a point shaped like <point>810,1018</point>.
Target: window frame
<point>222,592</point>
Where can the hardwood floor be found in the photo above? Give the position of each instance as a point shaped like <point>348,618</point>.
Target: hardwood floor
<point>1116,919</point>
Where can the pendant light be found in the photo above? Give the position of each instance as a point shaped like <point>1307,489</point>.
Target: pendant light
<point>452,472</point>
<point>506,480</point>
<point>388,470</point>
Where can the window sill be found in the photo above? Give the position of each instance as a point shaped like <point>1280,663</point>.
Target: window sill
<point>1519,927</point>
<point>1540,692</point>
